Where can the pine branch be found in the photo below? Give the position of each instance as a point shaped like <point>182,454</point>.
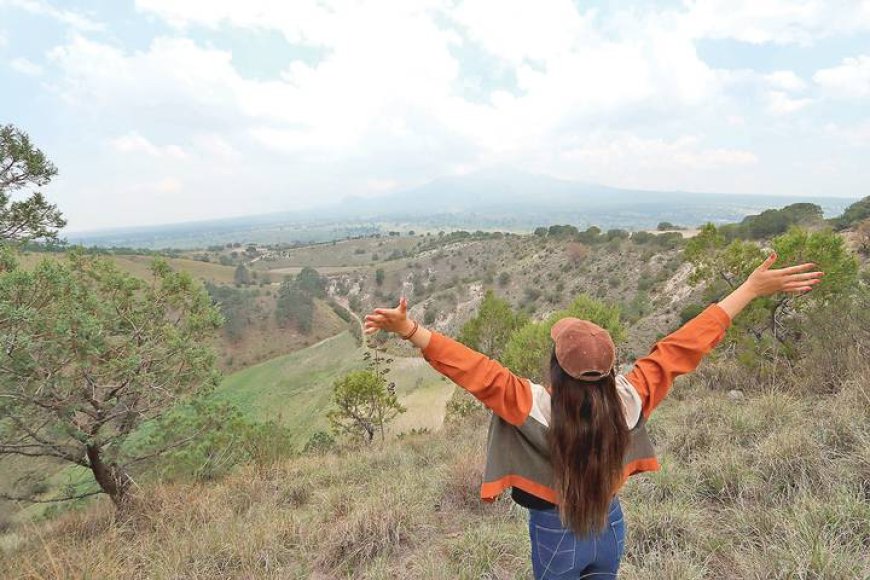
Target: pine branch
<point>8,497</point>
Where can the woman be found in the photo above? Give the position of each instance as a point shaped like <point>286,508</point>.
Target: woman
<point>566,450</point>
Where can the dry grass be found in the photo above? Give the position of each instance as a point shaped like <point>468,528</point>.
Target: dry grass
<point>774,486</point>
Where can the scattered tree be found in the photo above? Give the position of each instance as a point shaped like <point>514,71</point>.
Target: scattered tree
<point>723,266</point>
<point>218,437</point>
<point>242,276</point>
<point>90,353</point>
<point>576,252</point>
<point>311,282</point>
<point>863,232</point>
<point>857,212</point>
<point>616,234</point>
<point>237,307</point>
<point>23,166</point>
<point>365,401</point>
<point>592,235</point>
<point>562,231</point>
<point>294,305</point>
<point>491,327</point>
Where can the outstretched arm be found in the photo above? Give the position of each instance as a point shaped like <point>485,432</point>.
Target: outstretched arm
<point>507,395</point>
<point>682,351</point>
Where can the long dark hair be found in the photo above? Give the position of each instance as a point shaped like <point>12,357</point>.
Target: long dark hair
<point>588,438</point>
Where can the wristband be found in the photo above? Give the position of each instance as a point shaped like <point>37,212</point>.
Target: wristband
<point>413,331</point>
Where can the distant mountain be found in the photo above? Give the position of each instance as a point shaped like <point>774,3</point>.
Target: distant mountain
<point>496,198</point>
<point>507,192</point>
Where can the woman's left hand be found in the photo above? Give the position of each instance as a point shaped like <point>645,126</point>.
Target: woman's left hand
<point>389,319</point>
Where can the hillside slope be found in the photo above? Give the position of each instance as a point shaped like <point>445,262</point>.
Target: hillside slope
<point>295,389</point>
<point>749,489</point>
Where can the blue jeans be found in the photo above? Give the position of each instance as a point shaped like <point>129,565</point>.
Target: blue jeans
<point>558,553</point>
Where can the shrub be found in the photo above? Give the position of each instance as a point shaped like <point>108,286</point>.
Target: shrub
<point>576,253</point>
<point>858,211</point>
<point>462,405</point>
<point>489,330</point>
<point>642,237</point>
<point>319,442</point>
<point>430,314</point>
<point>531,293</point>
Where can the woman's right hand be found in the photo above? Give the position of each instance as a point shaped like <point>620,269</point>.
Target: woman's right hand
<point>765,281</point>
<point>390,320</point>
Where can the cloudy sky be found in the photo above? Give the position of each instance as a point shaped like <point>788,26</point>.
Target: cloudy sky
<point>161,111</point>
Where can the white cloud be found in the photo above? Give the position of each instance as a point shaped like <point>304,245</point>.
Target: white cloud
<point>70,18</point>
<point>685,152</point>
<point>384,104</point>
<point>133,142</point>
<point>848,80</point>
<point>168,185</point>
<point>785,80</point>
<point>604,157</point>
<point>781,103</point>
<point>311,22</point>
<point>25,67</point>
<point>776,21</point>
<point>518,30</point>
<point>214,147</point>
<point>857,135</point>
<point>171,71</point>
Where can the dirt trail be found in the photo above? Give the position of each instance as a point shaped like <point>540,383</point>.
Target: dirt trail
<point>343,302</point>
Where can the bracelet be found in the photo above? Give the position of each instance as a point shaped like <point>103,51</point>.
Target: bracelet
<point>413,332</point>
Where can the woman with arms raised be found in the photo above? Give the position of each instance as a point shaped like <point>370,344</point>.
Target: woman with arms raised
<point>566,450</point>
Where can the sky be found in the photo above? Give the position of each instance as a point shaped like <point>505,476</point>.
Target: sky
<point>160,111</point>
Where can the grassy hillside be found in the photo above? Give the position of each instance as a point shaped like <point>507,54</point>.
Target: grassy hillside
<point>264,339</point>
<point>140,266</point>
<point>445,279</point>
<point>295,389</point>
<point>770,481</point>
<point>344,253</point>
<point>769,486</point>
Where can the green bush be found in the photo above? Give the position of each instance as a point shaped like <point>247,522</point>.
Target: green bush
<point>489,330</point>
<point>319,442</point>
<point>220,438</point>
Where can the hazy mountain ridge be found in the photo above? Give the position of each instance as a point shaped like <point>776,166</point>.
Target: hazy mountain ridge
<point>511,200</point>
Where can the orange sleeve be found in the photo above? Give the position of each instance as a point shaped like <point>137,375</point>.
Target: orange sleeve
<point>507,395</point>
<point>677,354</point>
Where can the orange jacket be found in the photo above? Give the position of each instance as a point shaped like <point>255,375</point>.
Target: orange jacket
<point>517,449</point>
